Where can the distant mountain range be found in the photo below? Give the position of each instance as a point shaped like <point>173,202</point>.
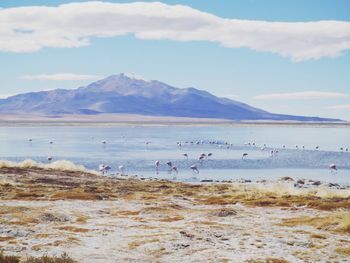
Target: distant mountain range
<point>124,94</point>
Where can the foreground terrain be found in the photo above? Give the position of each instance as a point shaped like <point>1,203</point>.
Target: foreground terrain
<point>48,210</point>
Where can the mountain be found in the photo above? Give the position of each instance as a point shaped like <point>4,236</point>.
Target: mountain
<point>124,94</point>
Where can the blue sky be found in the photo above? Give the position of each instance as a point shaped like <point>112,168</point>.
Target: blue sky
<point>277,81</point>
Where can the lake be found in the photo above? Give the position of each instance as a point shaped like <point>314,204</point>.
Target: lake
<point>138,147</point>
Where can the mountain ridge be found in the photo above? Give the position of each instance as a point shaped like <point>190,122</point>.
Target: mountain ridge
<point>123,94</point>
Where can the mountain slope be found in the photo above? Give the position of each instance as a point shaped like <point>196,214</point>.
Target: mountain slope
<point>123,94</point>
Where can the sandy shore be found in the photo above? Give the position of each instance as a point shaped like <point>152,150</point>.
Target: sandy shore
<point>100,219</point>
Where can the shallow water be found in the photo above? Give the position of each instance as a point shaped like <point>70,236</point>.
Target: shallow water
<point>126,145</point>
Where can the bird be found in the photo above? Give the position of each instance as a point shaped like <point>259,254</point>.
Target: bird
<point>274,153</point>
<point>174,169</point>
<point>194,169</point>
<point>333,168</point>
<point>170,164</point>
<point>30,140</point>
<point>157,163</point>
<point>49,158</point>
<point>186,155</point>
<point>51,142</point>
<point>244,155</point>
<point>101,168</point>
<point>210,154</point>
<point>121,168</point>
<point>317,147</point>
<point>104,168</point>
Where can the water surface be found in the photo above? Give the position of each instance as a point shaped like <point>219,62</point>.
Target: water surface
<point>138,147</point>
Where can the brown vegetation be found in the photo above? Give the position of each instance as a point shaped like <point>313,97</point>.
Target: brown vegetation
<point>64,258</point>
<point>74,229</point>
<point>337,221</point>
<point>41,184</point>
<point>267,260</point>
<point>169,214</point>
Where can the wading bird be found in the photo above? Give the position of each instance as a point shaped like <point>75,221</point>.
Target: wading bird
<point>333,168</point>
<point>170,164</point>
<point>104,168</point>
<point>194,169</point>
<point>157,163</point>
<point>174,169</point>
<point>121,168</point>
<point>244,155</point>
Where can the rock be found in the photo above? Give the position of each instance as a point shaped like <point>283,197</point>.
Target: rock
<point>301,181</point>
<point>263,181</point>
<point>286,179</point>
<point>206,181</point>
<point>184,233</point>
<point>333,185</point>
<point>48,217</point>
<point>225,213</point>
<point>243,181</point>
<point>316,183</point>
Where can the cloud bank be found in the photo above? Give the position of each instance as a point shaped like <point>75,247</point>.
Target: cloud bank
<point>29,29</point>
<point>306,95</point>
<point>61,76</point>
<point>340,107</point>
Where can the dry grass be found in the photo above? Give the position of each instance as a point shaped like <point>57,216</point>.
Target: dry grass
<point>47,184</point>
<point>318,236</point>
<point>73,229</point>
<point>337,221</point>
<point>75,194</point>
<point>267,260</point>
<point>61,165</point>
<point>135,244</point>
<point>8,259</point>
<point>171,218</point>
<point>64,258</point>
<point>4,239</point>
<point>21,218</point>
<point>345,251</point>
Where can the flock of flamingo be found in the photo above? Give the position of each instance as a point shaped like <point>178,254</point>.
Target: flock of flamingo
<point>104,169</point>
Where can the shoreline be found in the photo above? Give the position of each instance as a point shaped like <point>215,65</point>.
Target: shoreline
<point>106,120</point>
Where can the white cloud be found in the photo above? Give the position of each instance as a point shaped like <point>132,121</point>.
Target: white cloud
<point>28,29</point>
<point>340,107</point>
<point>61,76</point>
<point>306,95</point>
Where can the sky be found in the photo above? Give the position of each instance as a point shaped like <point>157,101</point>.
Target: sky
<point>290,57</point>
